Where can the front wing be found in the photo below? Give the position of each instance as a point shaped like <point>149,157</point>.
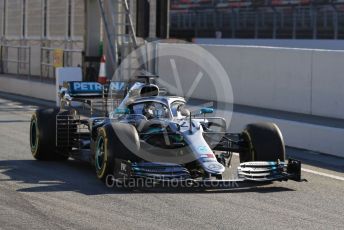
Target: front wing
<point>247,172</point>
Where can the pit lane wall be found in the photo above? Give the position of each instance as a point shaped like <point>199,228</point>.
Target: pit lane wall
<point>302,81</point>
<point>295,80</point>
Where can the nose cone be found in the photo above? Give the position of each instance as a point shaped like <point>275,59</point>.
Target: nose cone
<point>213,167</point>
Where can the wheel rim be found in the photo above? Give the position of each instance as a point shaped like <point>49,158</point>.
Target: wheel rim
<point>100,153</point>
<point>33,135</point>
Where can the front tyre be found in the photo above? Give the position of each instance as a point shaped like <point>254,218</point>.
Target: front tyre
<point>104,152</point>
<point>112,142</point>
<point>264,143</point>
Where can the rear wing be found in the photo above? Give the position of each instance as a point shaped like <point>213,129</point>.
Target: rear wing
<point>79,89</point>
<point>92,97</point>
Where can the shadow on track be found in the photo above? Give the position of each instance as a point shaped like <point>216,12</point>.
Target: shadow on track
<point>38,176</point>
<point>320,160</point>
<point>14,121</point>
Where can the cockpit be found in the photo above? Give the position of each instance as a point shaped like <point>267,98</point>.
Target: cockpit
<point>151,110</point>
<point>157,110</point>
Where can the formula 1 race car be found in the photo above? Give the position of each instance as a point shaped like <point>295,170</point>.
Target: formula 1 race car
<point>134,130</point>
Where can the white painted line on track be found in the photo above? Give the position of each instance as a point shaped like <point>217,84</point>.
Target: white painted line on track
<point>14,105</point>
<point>323,174</point>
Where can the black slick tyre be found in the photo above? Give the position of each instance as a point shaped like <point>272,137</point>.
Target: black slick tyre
<point>264,143</point>
<point>110,145</point>
<point>43,135</point>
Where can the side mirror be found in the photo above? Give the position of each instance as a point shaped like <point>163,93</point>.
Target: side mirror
<point>184,111</point>
<point>62,92</point>
<point>207,110</point>
<point>122,111</point>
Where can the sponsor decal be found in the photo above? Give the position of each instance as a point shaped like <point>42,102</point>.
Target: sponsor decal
<point>58,58</point>
<point>203,149</point>
<point>207,159</point>
<point>209,155</point>
<point>86,87</point>
<point>123,167</point>
<point>117,86</point>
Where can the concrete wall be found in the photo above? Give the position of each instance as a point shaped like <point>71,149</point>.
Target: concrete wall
<point>286,43</point>
<point>268,77</point>
<point>27,88</point>
<point>294,80</point>
<point>328,84</point>
<point>35,58</point>
<point>312,137</point>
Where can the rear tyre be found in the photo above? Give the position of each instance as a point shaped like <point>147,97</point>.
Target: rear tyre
<point>43,135</point>
<point>264,143</point>
<point>112,143</point>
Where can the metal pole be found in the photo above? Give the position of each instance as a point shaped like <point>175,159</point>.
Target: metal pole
<point>294,23</point>
<point>48,62</point>
<point>4,18</point>
<point>18,50</point>
<point>233,23</point>
<point>112,51</point>
<point>314,13</point>
<point>5,59</point>
<point>41,63</point>
<point>335,21</point>
<point>1,59</point>
<point>29,61</point>
<point>197,23</point>
<point>1,69</point>
<point>274,30</point>
<point>256,25</point>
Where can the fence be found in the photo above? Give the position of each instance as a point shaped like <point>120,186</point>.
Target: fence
<point>16,60</point>
<point>288,22</point>
<point>19,60</point>
<point>47,61</point>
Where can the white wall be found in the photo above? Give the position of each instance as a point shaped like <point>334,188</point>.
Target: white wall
<point>268,77</point>
<point>294,80</point>
<point>287,43</point>
<point>317,138</point>
<point>328,83</point>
